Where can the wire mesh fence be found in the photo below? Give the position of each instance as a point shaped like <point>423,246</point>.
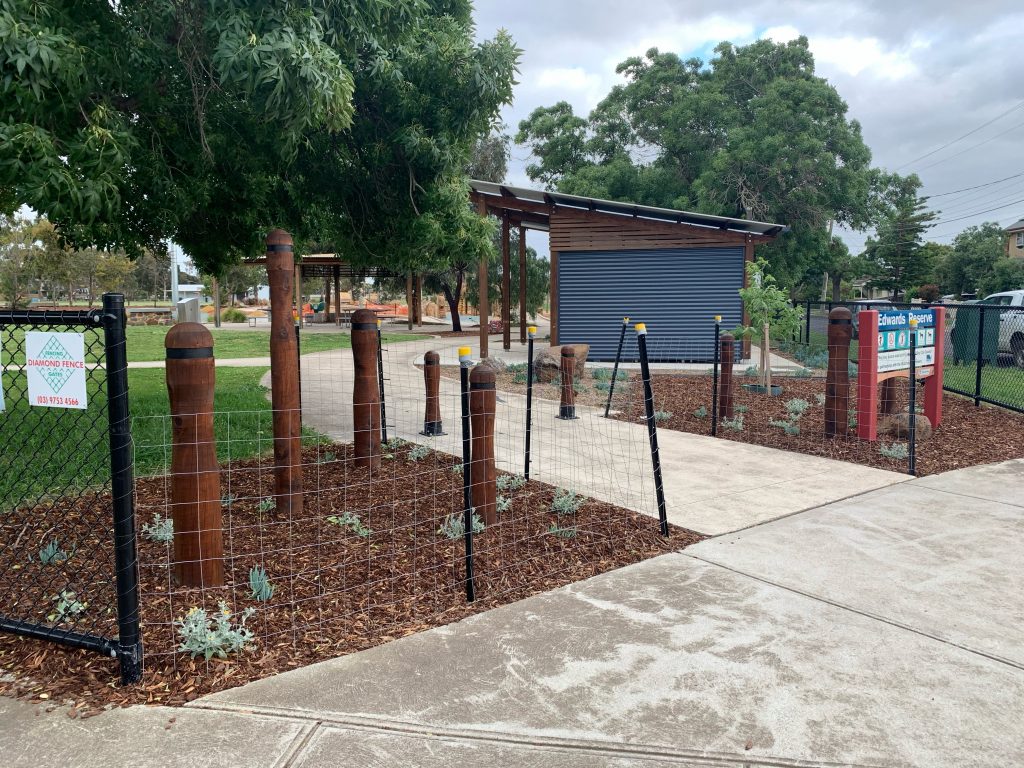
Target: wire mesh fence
<point>66,541</point>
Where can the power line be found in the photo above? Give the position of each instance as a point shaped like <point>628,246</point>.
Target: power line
<point>973,147</point>
<point>977,186</point>
<point>961,138</point>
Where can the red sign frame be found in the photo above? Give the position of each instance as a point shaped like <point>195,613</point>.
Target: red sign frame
<point>868,377</point>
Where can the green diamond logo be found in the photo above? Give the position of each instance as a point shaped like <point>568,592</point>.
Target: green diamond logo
<point>56,378</point>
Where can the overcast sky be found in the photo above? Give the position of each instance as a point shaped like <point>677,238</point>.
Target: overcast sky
<point>916,74</point>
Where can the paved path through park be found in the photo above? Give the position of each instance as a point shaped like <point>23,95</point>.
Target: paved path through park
<point>883,630</point>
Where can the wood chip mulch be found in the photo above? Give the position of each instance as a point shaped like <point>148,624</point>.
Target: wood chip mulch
<point>336,591</point>
<point>966,437</point>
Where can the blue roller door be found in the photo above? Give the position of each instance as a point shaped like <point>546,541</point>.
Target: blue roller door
<point>676,292</point>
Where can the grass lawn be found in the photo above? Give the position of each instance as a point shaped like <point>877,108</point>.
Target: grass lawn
<point>146,343</point>
<point>1003,383</point>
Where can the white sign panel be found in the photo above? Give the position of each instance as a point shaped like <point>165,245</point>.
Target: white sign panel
<point>55,366</point>
<point>899,360</point>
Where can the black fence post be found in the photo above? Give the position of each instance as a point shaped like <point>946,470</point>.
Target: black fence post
<point>380,382</point>
<point>298,363</point>
<point>714,377</point>
<point>912,408</point>
<point>807,324</point>
<point>615,368</point>
<point>465,363</point>
<point>122,485</point>
<point>981,355</point>
<point>532,332</point>
<point>652,428</point>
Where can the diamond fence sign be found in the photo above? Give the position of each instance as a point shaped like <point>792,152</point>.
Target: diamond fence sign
<point>55,366</point>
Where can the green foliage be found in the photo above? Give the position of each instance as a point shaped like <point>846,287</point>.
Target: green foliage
<point>454,526</point>
<point>328,457</point>
<point>767,306</point>
<point>566,502</point>
<point>419,452</point>
<point>352,522</point>
<point>67,607</point>
<point>1007,274</point>
<point>819,398</point>
<point>742,409</point>
<point>796,407</point>
<point>975,253</point>
<point>753,130</point>
<point>346,122</point>
<point>790,426</point>
<point>605,374</point>
<point>510,482</point>
<point>267,505</point>
<point>735,424</point>
<point>602,386</point>
<point>202,636</point>
<point>259,584</point>
<point>751,372</point>
<point>897,451</point>
<point>394,444</point>
<point>503,504</point>
<point>803,373</point>
<point>160,530</point>
<point>538,277</point>
<point>232,315</point>
<point>562,533</point>
<point>701,413</point>
<point>660,416</point>
<point>52,554</point>
<point>896,251</point>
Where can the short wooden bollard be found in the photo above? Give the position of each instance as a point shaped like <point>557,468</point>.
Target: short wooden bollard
<point>837,378</point>
<point>483,473</point>
<point>567,406</point>
<point>887,403</point>
<point>432,426</point>
<point>284,376</point>
<point>195,475</point>
<point>366,390</point>
<point>727,347</point>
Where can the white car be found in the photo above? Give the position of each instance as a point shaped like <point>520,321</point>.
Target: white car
<point>1011,323</point>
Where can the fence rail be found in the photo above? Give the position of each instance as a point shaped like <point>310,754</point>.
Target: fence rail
<point>984,347</point>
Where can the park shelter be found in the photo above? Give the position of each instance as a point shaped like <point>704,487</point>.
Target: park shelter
<point>673,270</point>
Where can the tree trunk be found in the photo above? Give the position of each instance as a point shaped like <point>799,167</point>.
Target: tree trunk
<point>453,301</point>
<point>837,287</point>
<point>766,363</point>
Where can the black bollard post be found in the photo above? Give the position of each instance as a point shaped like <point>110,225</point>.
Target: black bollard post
<point>465,363</point>
<point>380,382</point>
<point>714,377</point>
<point>615,368</point>
<point>532,331</point>
<point>912,431</point>
<point>652,428</point>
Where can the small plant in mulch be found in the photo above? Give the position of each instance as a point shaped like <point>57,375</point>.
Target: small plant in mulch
<point>897,451</point>
<point>202,636</point>
<point>796,407</point>
<point>509,482</point>
<point>660,416</point>
<point>741,408</point>
<point>605,374</point>
<point>394,444</point>
<point>851,418</point>
<point>701,413</point>
<point>227,500</point>
<point>350,521</point>
<point>454,526</point>
<point>789,426</point>
<point>803,373</point>
<point>328,457</point>
<point>504,504</point>
<point>419,452</point>
<point>819,398</point>
<point>602,386</point>
<point>259,584</point>
<point>267,505</point>
<point>161,530</point>
<point>751,372</point>
<point>562,533</point>
<point>67,607</point>
<point>457,468</point>
<point>735,423</point>
<point>53,554</point>
<point>566,502</point>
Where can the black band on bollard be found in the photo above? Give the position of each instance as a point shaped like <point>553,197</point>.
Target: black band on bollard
<point>279,247</point>
<point>840,321</point>
<point>364,326</point>
<point>478,385</point>
<point>189,353</point>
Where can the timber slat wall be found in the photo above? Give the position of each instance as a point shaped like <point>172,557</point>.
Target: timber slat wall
<point>578,230</point>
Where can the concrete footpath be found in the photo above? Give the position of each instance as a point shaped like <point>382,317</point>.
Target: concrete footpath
<point>884,630</point>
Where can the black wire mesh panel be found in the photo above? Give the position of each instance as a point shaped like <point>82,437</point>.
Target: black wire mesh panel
<point>58,562</point>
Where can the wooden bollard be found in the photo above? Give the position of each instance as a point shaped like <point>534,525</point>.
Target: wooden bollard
<point>365,390</point>
<point>483,474</point>
<point>727,351</point>
<point>432,426</point>
<point>284,375</point>
<point>837,378</point>
<point>567,406</point>
<point>195,475</point>
<point>887,403</point>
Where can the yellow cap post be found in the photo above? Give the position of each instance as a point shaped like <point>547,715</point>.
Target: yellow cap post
<point>913,322</point>
<point>532,330</point>
<point>464,352</point>
<point>625,321</point>
<point>718,318</point>
<point>640,327</point>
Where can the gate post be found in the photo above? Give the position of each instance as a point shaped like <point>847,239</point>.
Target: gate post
<point>837,381</point>
<point>122,485</point>
<point>365,390</point>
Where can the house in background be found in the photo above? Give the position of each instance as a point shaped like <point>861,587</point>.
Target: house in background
<point>1015,240</point>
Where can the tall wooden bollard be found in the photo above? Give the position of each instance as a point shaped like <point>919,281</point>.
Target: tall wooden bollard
<point>837,378</point>
<point>483,473</point>
<point>727,352</point>
<point>195,475</point>
<point>366,390</point>
<point>284,375</point>
<point>432,426</point>
<point>567,406</point>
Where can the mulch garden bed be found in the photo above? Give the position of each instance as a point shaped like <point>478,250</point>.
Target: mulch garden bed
<point>967,436</point>
<point>337,589</point>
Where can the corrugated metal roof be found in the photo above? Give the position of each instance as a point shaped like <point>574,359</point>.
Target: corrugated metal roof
<point>666,215</point>
<point>1015,227</point>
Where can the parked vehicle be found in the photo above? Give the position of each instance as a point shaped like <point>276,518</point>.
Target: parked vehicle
<point>1011,323</point>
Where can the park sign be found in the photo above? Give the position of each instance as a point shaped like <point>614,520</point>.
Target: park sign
<point>886,340</point>
<point>55,367</point>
